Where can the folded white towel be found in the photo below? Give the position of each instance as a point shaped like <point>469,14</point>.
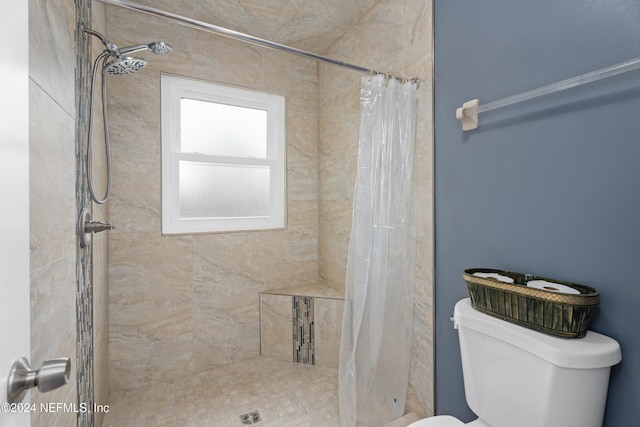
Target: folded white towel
<point>496,276</point>
<point>551,286</point>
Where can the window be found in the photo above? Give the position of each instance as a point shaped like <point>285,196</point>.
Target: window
<point>223,158</point>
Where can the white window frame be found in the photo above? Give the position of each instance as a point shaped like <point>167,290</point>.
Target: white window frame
<point>173,89</point>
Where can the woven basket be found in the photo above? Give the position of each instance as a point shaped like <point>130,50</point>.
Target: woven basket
<point>553,313</point>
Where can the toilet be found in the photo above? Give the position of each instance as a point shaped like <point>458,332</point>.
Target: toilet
<point>517,377</point>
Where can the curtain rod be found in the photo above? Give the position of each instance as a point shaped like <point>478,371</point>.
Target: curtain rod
<point>200,25</point>
<point>468,113</point>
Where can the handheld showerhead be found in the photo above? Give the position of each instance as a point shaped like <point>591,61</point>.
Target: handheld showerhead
<point>124,65</point>
<point>160,48</point>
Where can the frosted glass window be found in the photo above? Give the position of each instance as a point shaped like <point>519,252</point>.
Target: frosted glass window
<point>209,190</point>
<point>221,129</point>
<point>223,158</point>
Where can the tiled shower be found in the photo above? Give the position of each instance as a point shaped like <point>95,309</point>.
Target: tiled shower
<point>184,304</point>
<point>166,307</point>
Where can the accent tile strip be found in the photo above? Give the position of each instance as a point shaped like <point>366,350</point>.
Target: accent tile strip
<point>303,330</point>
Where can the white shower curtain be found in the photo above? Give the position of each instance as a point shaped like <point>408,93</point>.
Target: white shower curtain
<point>378,315</point>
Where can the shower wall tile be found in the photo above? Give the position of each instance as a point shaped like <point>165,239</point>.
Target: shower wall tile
<point>127,28</point>
<point>229,272</point>
<point>267,259</point>
<point>212,56</point>
<point>150,311</point>
<point>135,147</point>
<point>328,327</point>
<point>419,62</point>
<point>333,245</point>
<point>337,160</point>
<point>52,201</point>
<point>226,285</point>
<point>262,15</point>
<point>376,39</point>
<point>53,331</point>
<point>276,327</point>
<point>418,40</point>
<point>52,196</point>
<point>184,7</point>
<point>53,317</point>
<point>101,315</point>
<point>375,42</point>
<point>303,24</point>
<point>135,203</point>
<point>338,149</point>
<point>421,372</point>
<point>296,78</point>
<point>52,56</point>
<point>337,81</point>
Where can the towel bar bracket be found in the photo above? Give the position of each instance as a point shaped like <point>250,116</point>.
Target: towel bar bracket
<point>468,115</point>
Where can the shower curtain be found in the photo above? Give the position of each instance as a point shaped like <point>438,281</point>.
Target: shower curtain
<point>378,314</point>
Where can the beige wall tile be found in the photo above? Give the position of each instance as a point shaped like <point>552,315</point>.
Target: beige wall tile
<point>53,331</point>
<point>51,179</point>
<point>52,56</point>
<point>52,196</point>
<point>276,327</point>
<point>53,317</point>
<point>328,330</point>
<point>150,311</point>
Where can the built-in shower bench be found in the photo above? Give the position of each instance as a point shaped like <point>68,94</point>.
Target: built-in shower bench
<point>301,324</point>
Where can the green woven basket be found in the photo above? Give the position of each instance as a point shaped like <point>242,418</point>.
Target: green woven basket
<point>553,313</point>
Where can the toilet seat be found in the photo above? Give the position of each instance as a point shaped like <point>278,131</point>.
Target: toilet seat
<point>438,421</point>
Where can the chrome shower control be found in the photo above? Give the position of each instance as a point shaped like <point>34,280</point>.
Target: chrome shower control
<point>86,227</point>
<point>97,226</point>
<point>52,374</point>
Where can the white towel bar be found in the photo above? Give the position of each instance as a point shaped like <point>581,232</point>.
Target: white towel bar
<point>468,113</point>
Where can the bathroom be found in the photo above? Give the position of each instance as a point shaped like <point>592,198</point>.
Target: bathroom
<point>566,162</point>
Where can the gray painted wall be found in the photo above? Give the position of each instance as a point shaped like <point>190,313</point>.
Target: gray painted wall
<point>551,186</point>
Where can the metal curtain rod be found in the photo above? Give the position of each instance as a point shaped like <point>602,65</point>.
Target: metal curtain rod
<point>240,36</point>
<point>468,113</point>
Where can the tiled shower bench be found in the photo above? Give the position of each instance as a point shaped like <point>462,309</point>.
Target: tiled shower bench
<point>301,324</point>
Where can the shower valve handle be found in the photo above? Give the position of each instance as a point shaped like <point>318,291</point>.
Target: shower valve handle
<point>97,226</point>
<point>86,227</point>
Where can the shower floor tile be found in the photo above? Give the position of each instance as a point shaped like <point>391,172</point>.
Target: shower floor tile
<point>285,394</point>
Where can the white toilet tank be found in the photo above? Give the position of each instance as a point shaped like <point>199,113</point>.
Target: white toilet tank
<point>516,377</point>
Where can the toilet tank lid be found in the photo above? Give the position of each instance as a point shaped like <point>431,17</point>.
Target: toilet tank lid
<point>593,351</point>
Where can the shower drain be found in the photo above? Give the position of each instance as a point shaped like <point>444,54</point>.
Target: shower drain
<point>250,418</point>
